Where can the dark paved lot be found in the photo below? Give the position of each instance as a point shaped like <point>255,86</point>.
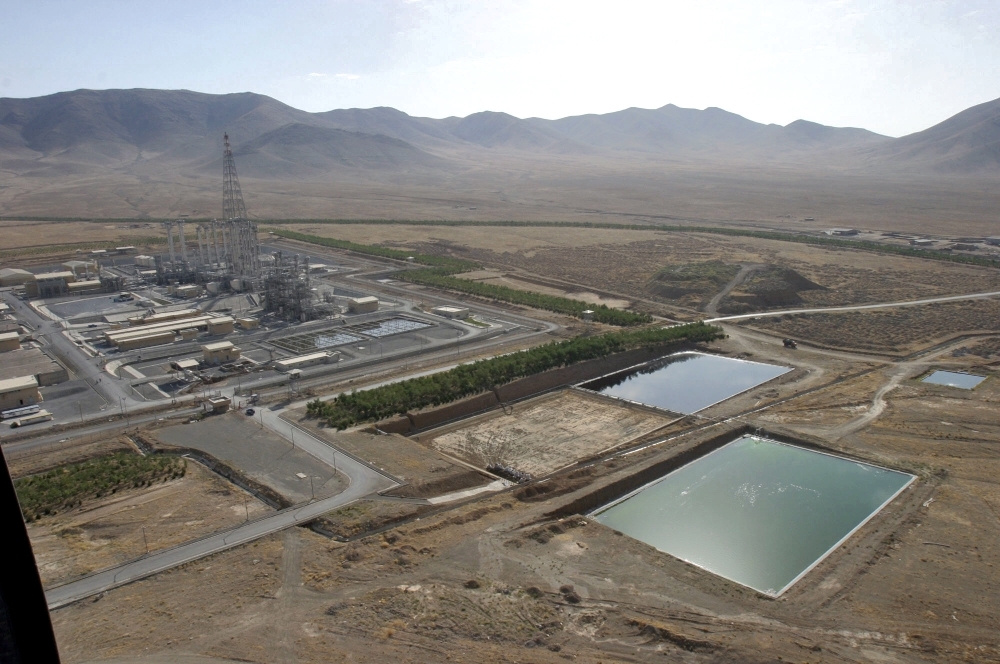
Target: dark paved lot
<point>261,454</point>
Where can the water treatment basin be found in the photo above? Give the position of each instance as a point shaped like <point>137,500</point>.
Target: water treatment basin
<point>755,511</point>
<point>963,381</point>
<point>685,382</point>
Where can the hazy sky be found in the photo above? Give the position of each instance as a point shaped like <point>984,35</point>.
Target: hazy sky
<point>893,66</point>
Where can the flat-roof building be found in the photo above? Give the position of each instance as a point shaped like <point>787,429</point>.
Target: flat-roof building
<point>220,352</point>
<point>221,325</point>
<point>303,361</point>
<point>146,339</point>
<point>163,317</point>
<point>9,341</point>
<point>20,391</point>
<point>49,284</point>
<point>451,312</point>
<point>32,362</point>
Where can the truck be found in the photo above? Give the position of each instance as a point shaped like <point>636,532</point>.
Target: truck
<point>40,416</point>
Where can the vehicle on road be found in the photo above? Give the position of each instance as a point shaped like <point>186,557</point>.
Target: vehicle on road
<point>40,416</point>
<point>250,411</point>
<point>790,343</point>
<point>22,411</point>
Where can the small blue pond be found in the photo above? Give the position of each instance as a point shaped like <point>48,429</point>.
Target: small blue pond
<point>954,379</point>
<point>685,382</point>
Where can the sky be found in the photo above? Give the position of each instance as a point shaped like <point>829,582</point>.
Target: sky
<point>891,66</point>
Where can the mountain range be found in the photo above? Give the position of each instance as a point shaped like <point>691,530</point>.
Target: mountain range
<point>118,128</point>
<point>158,152</point>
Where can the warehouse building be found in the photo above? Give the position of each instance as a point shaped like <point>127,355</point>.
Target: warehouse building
<point>20,391</point>
<point>146,339</point>
<point>303,361</point>
<point>32,362</point>
<point>248,323</point>
<point>10,276</point>
<point>81,287</point>
<point>362,305</point>
<point>163,317</point>
<point>220,352</point>
<point>49,284</point>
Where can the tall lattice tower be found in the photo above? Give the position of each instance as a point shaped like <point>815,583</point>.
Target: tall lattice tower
<point>242,247</point>
<point>232,196</point>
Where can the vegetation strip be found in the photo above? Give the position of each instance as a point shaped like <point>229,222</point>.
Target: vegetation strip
<point>440,271</point>
<point>859,245</point>
<point>66,487</point>
<point>465,380</point>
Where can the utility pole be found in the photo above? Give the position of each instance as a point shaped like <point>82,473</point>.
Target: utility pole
<point>144,541</point>
<point>80,406</point>
<point>312,489</point>
<point>246,506</point>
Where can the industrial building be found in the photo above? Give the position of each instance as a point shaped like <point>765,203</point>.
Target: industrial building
<point>129,335</point>
<point>146,339</point>
<point>303,361</point>
<point>49,284</point>
<point>248,323</point>
<point>220,352</point>
<point>9,341</point>
<point>189,364</point>
<point>221,325</point>
<point>83,287</point>
<point>362,305</point>
<point>32,362</point>
<point>451,312</point>
<point>10,276</point>
<point>17,392</point>
<point>163,317</point>
<point>82,268</point>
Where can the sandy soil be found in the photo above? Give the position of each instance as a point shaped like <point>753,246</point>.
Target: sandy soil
<point>105,532</point>
<point>510,281</point>
<point>424,471</point>
<point>891,331</point>
<point>545,434</point>
<point>623,263</point>
<point>40,459</point>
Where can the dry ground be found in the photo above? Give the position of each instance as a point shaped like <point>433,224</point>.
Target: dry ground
<point>494,185</point>
<point>547,433</point>
<point>892,331</point>
<point>622,264</point>
<point>40,459</point>
<point>108,531</point>
<point>424,471</point>
<point>498,278</point>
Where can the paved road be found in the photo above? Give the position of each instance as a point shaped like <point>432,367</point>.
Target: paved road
<point>364,480</point>
<point>858,307</point>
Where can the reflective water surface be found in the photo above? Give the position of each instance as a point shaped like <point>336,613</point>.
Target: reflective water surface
<point>755,511</point>
<point>954,379</point>
<point>686,382</point>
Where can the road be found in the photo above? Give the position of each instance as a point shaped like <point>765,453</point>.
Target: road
<point>364,480</point>
<point>857,307</point>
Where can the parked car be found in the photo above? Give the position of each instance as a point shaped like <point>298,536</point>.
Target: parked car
<point>250,411</point>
